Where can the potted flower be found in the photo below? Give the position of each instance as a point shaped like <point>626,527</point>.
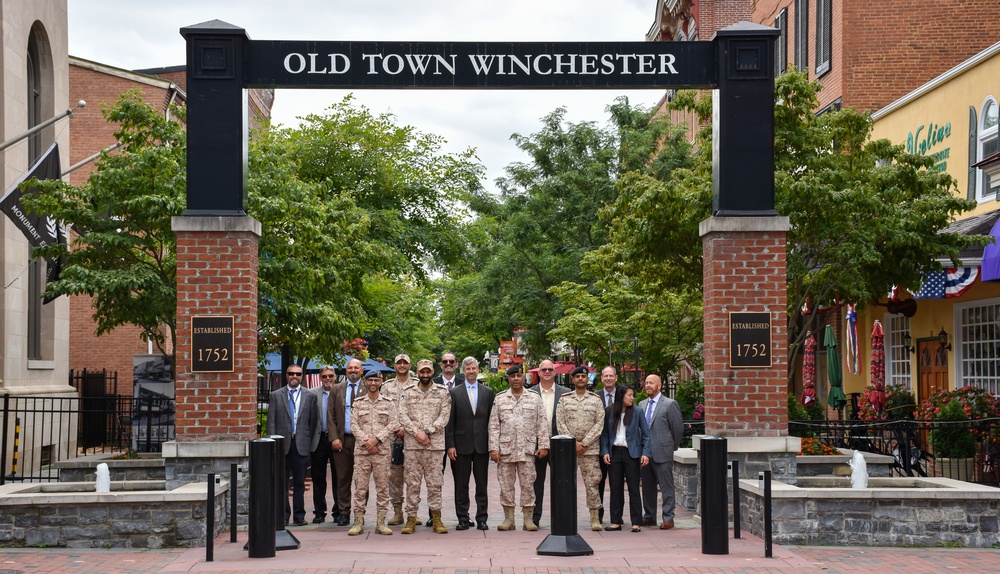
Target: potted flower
<point>899,404</point>
<point>954,446</point>
<point>956,433</point>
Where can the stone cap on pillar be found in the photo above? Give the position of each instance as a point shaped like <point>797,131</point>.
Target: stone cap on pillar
<point>717,224</point>
<point>207,223</point>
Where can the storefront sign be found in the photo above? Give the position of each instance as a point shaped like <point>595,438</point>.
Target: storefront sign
<point>925,138</point>
<point>212,344</point>
<point>749,340</point>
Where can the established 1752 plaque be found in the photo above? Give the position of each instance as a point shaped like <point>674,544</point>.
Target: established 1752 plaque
<point>749,340</point>
<point>212,344</point>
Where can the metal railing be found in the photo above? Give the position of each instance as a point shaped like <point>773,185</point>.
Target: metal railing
<point>911,444</point>
<point>39,431</point>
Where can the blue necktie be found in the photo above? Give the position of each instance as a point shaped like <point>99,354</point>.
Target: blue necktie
<point>291,407</point>
<point>649,411</point>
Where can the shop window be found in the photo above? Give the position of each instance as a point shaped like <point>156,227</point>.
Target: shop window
<point>897,355</point>
<point>975,345</point>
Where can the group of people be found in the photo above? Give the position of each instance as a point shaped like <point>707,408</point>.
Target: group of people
<point>403,432</point>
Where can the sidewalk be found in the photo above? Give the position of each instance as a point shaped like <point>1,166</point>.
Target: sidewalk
<point>327,548</point>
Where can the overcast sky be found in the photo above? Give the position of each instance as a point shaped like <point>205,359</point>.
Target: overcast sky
<point>132,34</point>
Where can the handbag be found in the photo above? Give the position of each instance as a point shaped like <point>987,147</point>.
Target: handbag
<point>397,454</point>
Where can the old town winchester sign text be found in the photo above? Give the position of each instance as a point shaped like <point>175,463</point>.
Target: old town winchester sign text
<point>496,65</point>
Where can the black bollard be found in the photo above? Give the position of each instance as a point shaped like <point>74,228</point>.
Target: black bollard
<point>285,539</point>
<point>260,525</point>
<point>564,540</point>
<point>714,496</point>
<point>737,517</point>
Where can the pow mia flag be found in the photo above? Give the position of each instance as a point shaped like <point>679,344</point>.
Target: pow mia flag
<point>40,230</point>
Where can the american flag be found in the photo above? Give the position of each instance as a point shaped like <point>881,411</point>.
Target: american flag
<point>959,280</point>
<point>932,286</point>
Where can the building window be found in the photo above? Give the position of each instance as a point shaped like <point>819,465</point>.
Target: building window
<point>897,356</point>
<point>987,145</point>
<point>898,362</point>
<point>824,35</point>
<point>781,43</point>
<point>802,35</point>
<point>36,283</point>
<point>976,345</point>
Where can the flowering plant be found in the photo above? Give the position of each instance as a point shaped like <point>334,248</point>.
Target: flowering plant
<point>977,403</point>
<point>357,348</point>
<point>811,446</point>
<point>900,404</point>
<point>699,412</point>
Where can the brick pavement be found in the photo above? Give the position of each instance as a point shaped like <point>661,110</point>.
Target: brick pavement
<point>327,548</point>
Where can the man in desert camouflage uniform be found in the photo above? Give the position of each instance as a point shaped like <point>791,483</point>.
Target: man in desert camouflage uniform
<point>580,414</point>
<point>519,431</point>
<point>393,389</point>
<point>424,410</point>
<point>373,418</point>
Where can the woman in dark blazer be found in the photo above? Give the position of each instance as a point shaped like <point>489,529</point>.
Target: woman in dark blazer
<point>624,448</point>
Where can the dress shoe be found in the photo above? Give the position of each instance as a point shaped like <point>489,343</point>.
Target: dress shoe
<point>300,522</point>
<point>667,525</point>
<point>430,522</point>
<point>463,525</point>
<point>343,520</point>
<point>482,526</point>
<point>319,520</point>
<point>649,523</point>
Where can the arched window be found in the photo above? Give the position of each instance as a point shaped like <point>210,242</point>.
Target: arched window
<point>987,147</point>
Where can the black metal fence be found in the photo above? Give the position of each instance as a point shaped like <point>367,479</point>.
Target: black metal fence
<point>39,431</point>
<point>917,446</point>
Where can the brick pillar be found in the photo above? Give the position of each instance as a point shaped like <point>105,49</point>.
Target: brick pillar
<point>216,412</point>
<point>744,271</point>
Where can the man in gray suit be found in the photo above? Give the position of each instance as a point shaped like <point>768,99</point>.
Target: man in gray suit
<point>550,393</point>
<point>322,452</point>
<point>666,429</point>
<point>293,414</point>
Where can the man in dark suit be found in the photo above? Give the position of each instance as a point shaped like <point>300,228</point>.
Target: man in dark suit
<point>609,384</point>
<point>467,440</point>
<point>666,430</point>
<point>550,393</point>
<point>292,413</point>
<point>341,437</point>
<point>322,452</point>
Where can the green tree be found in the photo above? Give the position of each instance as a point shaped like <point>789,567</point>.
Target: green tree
<point>123,248</point>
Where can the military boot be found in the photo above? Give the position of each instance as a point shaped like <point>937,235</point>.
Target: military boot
<point>529,523</point>
<point>411,525</point>
<point>359,524</point>
<point>380,527</point>
<point>397,515</point>
<point>595,520</point>
<point>439,527</point>
<point>508,519</point>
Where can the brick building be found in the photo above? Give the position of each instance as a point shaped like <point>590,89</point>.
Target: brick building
<point>101,85</point>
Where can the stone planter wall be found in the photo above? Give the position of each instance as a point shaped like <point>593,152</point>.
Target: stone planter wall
<point>33,515</point>
<point>951,513</point>
<point>84,468</point>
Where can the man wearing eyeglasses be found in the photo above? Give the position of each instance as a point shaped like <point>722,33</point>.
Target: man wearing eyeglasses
<point>293,414</point>
<point>550,393</point>
<point>322,453</point>
<point>342,438</point>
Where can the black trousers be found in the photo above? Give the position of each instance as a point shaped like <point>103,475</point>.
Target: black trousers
<point>322,459</point>
<point>541,468</point>
<point>474,465</point>
<point>295,467</point>
<point>624,469</point>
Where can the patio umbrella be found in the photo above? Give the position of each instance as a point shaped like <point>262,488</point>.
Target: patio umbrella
<point>877,394</point>
<point>809,371</point>
<point>837,399</point>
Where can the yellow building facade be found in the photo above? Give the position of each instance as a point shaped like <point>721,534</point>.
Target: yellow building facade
<point>948,341</point>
